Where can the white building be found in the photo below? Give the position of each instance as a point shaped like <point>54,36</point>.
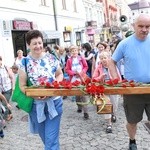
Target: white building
<point>61,21</point>
<point>94,20</point>
<point>139,7</point>
<point>17,17</point>
<point>70,18</point>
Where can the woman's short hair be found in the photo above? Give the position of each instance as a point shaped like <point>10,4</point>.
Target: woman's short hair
<point>104,53</point>
<point>1,58</point>
<point>19,51</point>
<point>87,46</point>
<point>33,34</point>
<point>14,67</point>
<point>73,47</point>
<point>101,43</point>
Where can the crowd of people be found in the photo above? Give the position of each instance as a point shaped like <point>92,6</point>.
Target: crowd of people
<point>121,58</point>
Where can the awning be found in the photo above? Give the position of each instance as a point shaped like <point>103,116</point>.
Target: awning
<point>48,34</point>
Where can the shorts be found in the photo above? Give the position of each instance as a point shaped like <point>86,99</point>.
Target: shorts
<point>134,106</point>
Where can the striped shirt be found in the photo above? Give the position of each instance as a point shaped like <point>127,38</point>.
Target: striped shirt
<point>5,81</point>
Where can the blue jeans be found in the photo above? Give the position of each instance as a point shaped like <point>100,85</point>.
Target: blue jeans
<point>48,130</point>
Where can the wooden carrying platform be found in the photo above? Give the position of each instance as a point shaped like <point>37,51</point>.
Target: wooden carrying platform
<point>77,91</point>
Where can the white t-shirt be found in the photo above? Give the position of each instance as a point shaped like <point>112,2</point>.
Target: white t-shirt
<point>18,61</point>
<point>76,66</point>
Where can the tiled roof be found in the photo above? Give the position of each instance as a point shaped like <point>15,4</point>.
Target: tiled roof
<point>139,5</point>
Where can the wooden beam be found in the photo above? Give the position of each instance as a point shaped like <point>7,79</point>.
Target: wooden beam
<point>77,91</point>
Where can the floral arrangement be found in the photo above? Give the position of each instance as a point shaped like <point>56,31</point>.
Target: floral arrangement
<point>91,87</point>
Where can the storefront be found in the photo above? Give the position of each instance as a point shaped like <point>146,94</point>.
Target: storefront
<point>51,38</point>
<point>19,29</point>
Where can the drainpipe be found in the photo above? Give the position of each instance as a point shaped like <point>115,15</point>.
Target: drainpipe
<point>55,18</point>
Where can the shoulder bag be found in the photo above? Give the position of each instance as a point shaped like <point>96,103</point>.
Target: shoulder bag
<point>24,102</point>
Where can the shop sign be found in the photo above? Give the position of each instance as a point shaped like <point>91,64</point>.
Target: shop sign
<point>90,31</point>
<point>6,30</point>
<point>22,25</point>
<point>68,28</point>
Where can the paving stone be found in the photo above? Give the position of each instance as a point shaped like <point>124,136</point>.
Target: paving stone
<point>76,133</point>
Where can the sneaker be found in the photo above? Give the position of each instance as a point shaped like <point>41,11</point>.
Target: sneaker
<point>73,99</point>
<point>1,134</point>
<point>132,146</point>
<point>113,118</point>
<point>64,97</point>
<point>86,116</point>
<point>109,129</point>
<point>79,110</point>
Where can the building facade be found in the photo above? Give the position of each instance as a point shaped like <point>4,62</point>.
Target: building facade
<point>139,7</point>
<point>18,17</point>
<point>62,22</point>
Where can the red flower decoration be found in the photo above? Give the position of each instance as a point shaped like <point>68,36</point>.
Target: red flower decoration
<point>115,81</point>
<point>109,82</point>
<point>55,84</point>
<point>76,83</point>
<point>87,81</point>
<point>42,83</point>
<point>48,85</point>
<point>124,85</point>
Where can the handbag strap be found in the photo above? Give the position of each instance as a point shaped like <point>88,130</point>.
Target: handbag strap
<point>28,78</point>
<point>25,61</point>
<point>25,64</point>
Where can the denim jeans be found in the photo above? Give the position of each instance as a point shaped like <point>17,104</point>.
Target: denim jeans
<point>48,130</point>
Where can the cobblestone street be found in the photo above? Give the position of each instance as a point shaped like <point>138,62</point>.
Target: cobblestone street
<point>76,133</point>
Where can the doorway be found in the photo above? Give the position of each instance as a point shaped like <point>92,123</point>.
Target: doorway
<point>19,42</point>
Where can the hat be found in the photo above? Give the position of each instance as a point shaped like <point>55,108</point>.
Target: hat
<point>128,33</point>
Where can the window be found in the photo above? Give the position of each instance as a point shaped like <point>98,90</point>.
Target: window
<point>43,2</point>
<point>90,13</point>
<point>78,38</point>
<point>74,6</point>
<point>21,0</point>
<point>64,4</point>
<point>67,36</point>
<point>86,11</point>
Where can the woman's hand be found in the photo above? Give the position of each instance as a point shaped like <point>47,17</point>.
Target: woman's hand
<point>40,97</point>
<point>9,106</point>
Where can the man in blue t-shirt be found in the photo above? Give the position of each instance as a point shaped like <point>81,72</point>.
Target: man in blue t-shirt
<point>135,51</point>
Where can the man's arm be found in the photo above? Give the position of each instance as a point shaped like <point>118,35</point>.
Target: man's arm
<point>113,69</point>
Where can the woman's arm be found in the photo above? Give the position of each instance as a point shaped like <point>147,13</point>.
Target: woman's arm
<point>2,97</point>
<point>22,80</point>
<point>97,75</point>
<point>85,65</point>
<point>11,76</point>
<point>68,68</point>
<point>93,65</point>
<point>89,56</point>
<point>59,74</point>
